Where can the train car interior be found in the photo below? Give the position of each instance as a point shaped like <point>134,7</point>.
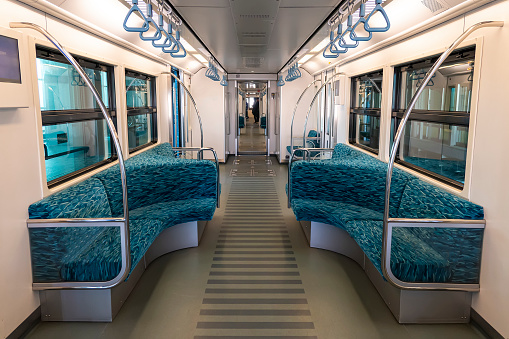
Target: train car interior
<point>287,169</point>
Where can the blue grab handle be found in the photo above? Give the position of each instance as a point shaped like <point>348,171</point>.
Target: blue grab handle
<point>175,55</point>
<point>362,20</point>
<point>149,20</point>
<point>133,9</point>
<point>378,8</point>
<point>167,43</point>
<point>342,42</point>
<point>175,47</point>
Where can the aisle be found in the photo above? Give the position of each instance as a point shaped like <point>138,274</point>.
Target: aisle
<point>253,276</point>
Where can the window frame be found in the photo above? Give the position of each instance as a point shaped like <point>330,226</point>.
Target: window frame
<point>456,118</point>
<point>356,111</point>
<point>152,109</point>
<point>56,117</point>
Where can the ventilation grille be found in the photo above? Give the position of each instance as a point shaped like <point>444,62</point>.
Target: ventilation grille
<point>434,6</point>
<point>255,16</point>
<point>253,62</point>
<point>254,35</point>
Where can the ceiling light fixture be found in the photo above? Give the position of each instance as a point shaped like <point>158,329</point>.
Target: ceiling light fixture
<point>306,58</point>
<point>321,45</point>
<point>186,45</point>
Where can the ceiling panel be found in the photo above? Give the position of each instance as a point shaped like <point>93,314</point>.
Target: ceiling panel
<point>258,36</point>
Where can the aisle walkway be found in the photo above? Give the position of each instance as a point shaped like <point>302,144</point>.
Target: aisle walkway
<point>253,276</point>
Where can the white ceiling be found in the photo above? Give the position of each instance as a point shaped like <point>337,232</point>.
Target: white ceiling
<point>248,36</point>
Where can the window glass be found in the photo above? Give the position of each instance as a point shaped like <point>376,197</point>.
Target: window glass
<point>141,110</point>
<point>435,139</point>
<point>62,88</point>
<point>365,111</point>
<point>75,135</point>
<point>138,92</point>
<point>70,147</point>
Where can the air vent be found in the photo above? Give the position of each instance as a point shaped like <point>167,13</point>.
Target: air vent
<point>255,16</point>
<point>254,35</point>
<point>435,6</point>
<point>252,62</point>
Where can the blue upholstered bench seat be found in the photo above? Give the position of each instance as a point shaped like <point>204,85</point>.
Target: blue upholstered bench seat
<point>348,190</point>
<point>312,143</point>
<point>162,190</point>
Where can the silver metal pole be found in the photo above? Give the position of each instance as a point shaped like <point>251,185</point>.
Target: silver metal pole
<point>194,104</point>
<point>386,241</point>
<point>295,111</point>
<point>126,253</point>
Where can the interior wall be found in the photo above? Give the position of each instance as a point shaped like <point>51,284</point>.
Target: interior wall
<point>487,184</point>
<point>22,178</point>
<point>209,97</point>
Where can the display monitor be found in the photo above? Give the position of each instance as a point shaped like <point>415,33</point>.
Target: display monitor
<point>9,60</point>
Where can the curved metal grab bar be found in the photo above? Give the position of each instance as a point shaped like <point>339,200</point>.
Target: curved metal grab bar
<point>386,268</point>
<point>295,111</point>
<point>194,104</point>
<point>125,243</point>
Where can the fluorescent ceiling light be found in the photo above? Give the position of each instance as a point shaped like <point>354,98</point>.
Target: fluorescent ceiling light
<point>200,58</point>
<point>321,45</point>
<point>306,58</point>
<point>187,46</point>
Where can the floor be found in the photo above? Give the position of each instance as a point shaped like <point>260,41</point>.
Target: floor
<point>253,276</point>
<point>252,138</point>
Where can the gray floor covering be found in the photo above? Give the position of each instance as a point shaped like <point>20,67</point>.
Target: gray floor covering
<point>253,276</point>
<point>252,138</point>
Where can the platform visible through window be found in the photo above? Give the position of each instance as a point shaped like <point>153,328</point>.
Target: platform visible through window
<point>435,139</point>
<point>75,135</point>
<point>141,110</point>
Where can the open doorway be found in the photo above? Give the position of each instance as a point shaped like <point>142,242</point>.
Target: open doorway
<point>252,113</point>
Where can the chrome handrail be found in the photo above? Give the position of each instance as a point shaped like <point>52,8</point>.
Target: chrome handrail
<point>194,104</point>
<point>307,151</point>
<point>200,151</point>
<point>386,238</point>
<point>295,111</point>
<point>304,138</point>
<point>125,242</point>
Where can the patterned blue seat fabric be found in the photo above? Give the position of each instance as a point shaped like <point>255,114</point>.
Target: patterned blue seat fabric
<point>348,190</point>
<point>163,191</point>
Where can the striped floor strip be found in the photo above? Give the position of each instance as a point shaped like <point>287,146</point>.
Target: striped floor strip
<point>254,288</point>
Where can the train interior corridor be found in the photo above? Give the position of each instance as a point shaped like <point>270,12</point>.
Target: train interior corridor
<point>253,276</point>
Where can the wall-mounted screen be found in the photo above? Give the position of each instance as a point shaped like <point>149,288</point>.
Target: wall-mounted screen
<point>9,60</point>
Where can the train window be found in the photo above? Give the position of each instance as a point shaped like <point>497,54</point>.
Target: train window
<point>75,135</point>
<point>141,110</point>
<point>365,110</point>
<point>436,137</point>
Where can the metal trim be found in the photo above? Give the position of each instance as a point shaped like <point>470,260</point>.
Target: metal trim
<point>387,223</point>
<point>124,229</point>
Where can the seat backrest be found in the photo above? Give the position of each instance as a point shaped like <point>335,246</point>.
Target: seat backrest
<point>423,200</point>
<point>87,199</point>
<point>163,150</point>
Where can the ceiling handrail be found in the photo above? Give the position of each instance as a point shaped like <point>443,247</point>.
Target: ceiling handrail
<point>132,10</point>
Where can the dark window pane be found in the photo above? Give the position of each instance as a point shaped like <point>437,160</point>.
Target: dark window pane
<point>141,130</point>
<point>368,130</point>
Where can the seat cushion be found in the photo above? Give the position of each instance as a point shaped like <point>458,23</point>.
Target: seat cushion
<point>87,199</point>
<point>332,212</point>
<point>176,212</point>
<point>412,260</point>
<point>101,259</point>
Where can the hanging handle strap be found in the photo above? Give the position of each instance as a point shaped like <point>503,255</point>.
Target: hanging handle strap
<point>135,9</point>
<point>378,8</point>
<point>362,20</point>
